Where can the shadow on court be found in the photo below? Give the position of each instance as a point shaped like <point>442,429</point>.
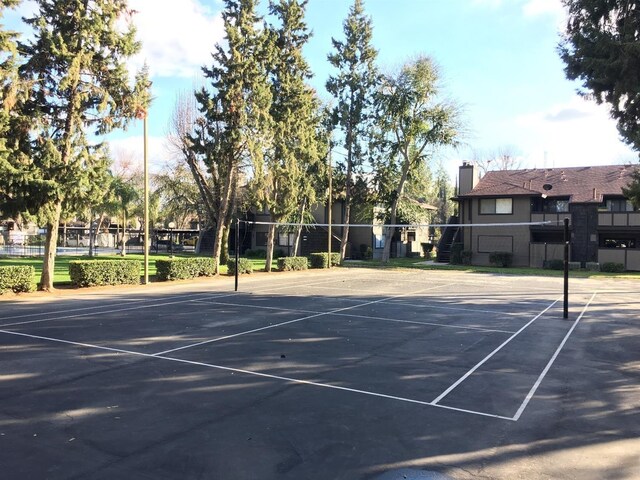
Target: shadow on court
<point>307,382</point>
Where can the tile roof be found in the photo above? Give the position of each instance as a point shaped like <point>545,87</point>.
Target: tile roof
<point>580,184</point>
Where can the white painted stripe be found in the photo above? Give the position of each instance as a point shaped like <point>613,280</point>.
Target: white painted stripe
<point>256,374</point>
<point>485,359</point>
<point>321,314</point>
<point>95,307</point>
<point>106,311</point>
<point>470,310</point>
<point>532,392</point>
<point>352,315</point>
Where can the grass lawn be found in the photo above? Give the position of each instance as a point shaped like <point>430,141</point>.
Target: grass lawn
<point>61,274</point>
<point>418,263</point>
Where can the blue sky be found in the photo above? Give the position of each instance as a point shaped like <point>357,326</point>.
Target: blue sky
<point>498,59</point>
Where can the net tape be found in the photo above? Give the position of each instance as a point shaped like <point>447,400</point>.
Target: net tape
<point>405,225</point>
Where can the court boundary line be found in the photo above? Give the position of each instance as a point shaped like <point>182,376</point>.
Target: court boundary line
<point>496,350</point>
<point>532,392</point>
<point>257,374</point>
<point>136,307</point>
<point>321,314</point>
<point>352,315</point>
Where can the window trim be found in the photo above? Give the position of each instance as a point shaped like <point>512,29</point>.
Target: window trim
<point>495,206</point>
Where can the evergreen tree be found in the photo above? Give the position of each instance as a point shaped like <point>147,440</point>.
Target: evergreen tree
<point>281,181</point>
<point>412,123</point>
<point>353,88</point>
<point>234,129</point>
<point>74,68</point>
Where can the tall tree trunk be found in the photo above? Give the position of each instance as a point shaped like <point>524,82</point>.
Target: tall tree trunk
<point>50,245</point>
<point>270,243</point>
<point>394,210</point>
<point>296,242</point>
<point>64,236</point>
<point>347,199</point>
<point>92,235</point>
<point>225,205</point>
<point>124,233</point>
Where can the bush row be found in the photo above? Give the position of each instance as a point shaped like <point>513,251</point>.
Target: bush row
<point>244,266</point>
<point>178,268</point>
<point>89,273</point>
<point>319,260</point>
<point>16,278</point>
<point>287,264</point>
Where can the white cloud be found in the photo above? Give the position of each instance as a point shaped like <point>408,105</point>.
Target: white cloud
<point>534,8</point>
<point>133,148</point>
<point>177,36</point>
<point>576,133</point>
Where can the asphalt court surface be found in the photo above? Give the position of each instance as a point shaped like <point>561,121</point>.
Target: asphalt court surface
<point>457,348</point>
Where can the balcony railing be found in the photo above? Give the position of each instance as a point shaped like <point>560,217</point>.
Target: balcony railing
<point>619,219</point>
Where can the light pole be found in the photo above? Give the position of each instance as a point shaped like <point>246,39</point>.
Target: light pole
<point>145,242</point>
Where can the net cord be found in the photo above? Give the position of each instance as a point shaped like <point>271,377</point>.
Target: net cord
<point>414,225</point>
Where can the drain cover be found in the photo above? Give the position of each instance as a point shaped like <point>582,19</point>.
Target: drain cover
<point>410,474</point>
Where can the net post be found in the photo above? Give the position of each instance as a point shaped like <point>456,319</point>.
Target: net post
<point>237,250</point>
<point>565,313</point>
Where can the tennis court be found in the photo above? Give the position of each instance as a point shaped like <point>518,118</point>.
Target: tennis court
<point>344,374</point>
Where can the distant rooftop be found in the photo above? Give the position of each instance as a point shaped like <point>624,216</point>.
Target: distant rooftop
<point>580,184</point>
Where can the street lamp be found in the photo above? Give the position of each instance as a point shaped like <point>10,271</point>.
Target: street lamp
<point>172,225</point>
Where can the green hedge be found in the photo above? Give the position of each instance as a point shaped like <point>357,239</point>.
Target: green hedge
<point>501,259</point>
<point>612,267</point>
<point>292,263</point>
<point>88,273</point>
<point>456,254</point>
<point>319,260</point>
<point>16,278</point>
<point>244,266</point>
<point>465,257</point>
<point>178,268</point>
<point>555,264</point>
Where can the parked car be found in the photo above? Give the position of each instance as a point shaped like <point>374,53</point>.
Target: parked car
<point>191,241</point>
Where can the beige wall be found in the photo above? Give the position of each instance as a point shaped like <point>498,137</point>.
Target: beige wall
<point>630,258</point>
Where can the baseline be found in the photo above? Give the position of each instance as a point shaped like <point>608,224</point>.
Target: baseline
<point>496,350</point>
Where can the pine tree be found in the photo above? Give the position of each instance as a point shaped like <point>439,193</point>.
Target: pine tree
<point>234,126</point>
<point>353,88</point>
<point>74,68</point>
<point>282,182</point>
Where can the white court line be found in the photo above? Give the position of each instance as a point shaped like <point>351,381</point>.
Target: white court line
<point>109,310</point>
<point>95,307</point>
<point>532,392</point>
<point>257,374</point>
<point>352,315</point>
<point>485,359</point>
<point>321,314</point>
<point>470,310</point>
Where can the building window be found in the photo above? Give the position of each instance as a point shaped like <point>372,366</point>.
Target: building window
<point>617,205</point>
<point>379,241</point>
<point>286,239</point>
<point>496,206</point>
<point>608,242</point>
<point>261,239</point>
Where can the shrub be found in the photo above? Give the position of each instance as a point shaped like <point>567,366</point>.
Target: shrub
<point>292,263</point>
<point>88,273</point>
<point>278,253</point>
<point>257,253</point>
<point>244,266</point>
<point>465,257</point>
<point>592,266</point>
<point>183,268</point>
<point>16,278</point>
<point>456,253</point>
<point>555,264</point>
<point>612,267</point>
<point>366,252</point>
<point>319,260</point>
<point>501,259</point>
